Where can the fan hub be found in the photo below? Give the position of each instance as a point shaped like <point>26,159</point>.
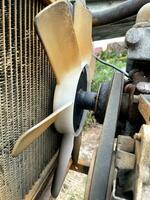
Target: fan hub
<point>71,121</point>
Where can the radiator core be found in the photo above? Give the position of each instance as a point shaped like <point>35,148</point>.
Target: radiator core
<point>26,96</point>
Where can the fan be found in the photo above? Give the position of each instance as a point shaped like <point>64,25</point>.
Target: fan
<point>67,39</point>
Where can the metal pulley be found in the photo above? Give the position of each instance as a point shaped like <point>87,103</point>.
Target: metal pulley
<point>96,102</point>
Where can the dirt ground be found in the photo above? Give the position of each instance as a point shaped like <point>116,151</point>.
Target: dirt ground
<point>75,183</point>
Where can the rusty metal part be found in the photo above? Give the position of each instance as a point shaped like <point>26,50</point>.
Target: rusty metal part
<point>104,154</point>
<point>137,75</point>
<point>116,13</point>
<point>129,106</point>
<point>130,88</point>
<point>82,166</point>
<point>129,102</point>
<point>142,149</point>
<point>144,107</point>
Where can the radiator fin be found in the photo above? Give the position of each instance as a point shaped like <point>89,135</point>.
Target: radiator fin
<point>26,95</point>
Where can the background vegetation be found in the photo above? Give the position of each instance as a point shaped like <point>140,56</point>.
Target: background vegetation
<point>104,73</point>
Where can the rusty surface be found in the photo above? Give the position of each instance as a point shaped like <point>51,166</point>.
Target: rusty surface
<point>82,166</point>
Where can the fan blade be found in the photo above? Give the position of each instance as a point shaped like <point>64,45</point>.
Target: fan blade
<point>83,30</point>
<point>55,29</point>
<point>64,157</point>
<point>29,136</point>
<point>92,68</point>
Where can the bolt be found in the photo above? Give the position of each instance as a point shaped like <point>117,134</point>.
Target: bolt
<point>133,37</point>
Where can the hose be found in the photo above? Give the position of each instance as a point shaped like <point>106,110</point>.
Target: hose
<point>119,12</point>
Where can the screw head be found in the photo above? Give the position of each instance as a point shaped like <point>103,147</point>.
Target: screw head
<point>133,37</point>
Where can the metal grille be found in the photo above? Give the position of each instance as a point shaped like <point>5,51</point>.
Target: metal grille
<point>26,91</point>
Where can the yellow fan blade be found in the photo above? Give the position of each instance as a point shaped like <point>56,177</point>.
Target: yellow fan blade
<point>63,160</point>
<point>29,136</point>
<point>83,30</point>
<point>92,68</point>
<point>55,29</point>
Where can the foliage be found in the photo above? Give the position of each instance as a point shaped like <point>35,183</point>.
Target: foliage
<point>105,73</point>
<point>90,120</point>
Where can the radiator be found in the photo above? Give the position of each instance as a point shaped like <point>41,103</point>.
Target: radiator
<point>26,96</point>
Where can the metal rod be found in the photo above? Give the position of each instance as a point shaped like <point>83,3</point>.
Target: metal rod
<point>119,12</point>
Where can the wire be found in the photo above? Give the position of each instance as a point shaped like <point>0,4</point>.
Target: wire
<point>112,66</point>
